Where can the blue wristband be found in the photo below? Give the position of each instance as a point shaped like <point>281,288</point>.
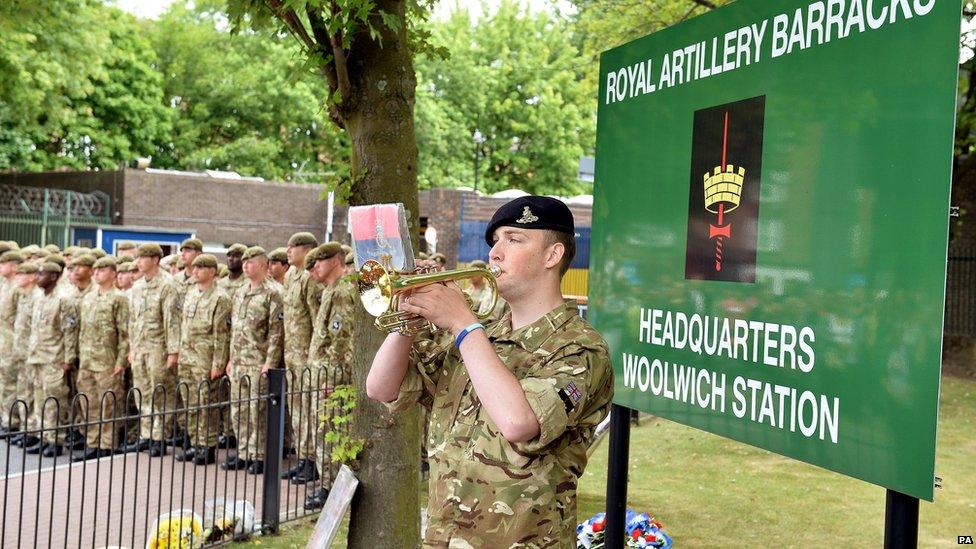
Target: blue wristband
<point>464,333</point>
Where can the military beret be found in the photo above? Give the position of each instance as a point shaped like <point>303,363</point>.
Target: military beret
<point>56,258</point>
<point>193,244</point>
<point>222,270</point>
<point>70,250</point>
<point>532,212</point>
<point>106,262</point>
<point>205,261</point>
<point>98,253</point>
<point>179,263</point>
<point>303,239</point>
<point>478,263</point>
<point>150,249</point>
<point>29,267</point>
<point>126,267</point>
<point>237,249</point>
<point>84,260</point>
<point>11,255</point>
<point>53,248</point>
<point>125,245</point>
<point>323,251</point>
<point>439,257</point>
<point>167,261</point>
<point>350,259</point>
<point>49,267</point>
<point>13,244</point>
<point>346,249</point>
<point>254,251</point>
<point>5,247</point>
<point>42,253</point>
<point>30,249</point>
<point>124,259</point>
<point>278,254</point>
<point>81,250</point>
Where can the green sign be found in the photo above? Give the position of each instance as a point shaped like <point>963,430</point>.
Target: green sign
<point>770,223</point>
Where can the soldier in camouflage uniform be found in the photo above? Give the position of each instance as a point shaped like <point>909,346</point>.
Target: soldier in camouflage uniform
<point>513,405</point>
<point>26,281</point>
<point>9,296</point>
<point>204,349</point>
<point>190,249</point>
<point>154,344</point>
<point>103,345</point>
<point>124,276</point>
<point>331,348</point>
<point>278,259</point>
<point>126,248</point>
<point>229,284</point>
<point>257,338</point>
<point>52,352</point>
<point>301,302</point>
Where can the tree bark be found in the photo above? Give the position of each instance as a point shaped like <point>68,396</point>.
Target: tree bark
<point>378,117</point>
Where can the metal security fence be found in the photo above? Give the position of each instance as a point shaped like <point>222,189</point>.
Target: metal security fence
<point>960,306</point>
<point>126,496</point>
<point>34,215</point>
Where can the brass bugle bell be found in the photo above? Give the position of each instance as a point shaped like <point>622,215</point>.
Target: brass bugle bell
<point>380,289</point>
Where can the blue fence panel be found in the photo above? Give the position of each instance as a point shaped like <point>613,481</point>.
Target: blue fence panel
<point>472,244</point>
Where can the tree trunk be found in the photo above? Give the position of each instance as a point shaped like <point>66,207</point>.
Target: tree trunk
<point>379,119</point>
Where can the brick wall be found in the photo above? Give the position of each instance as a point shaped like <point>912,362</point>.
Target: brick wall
<point>223,211</point>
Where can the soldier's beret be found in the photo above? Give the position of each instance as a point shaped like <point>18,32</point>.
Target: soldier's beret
<point>84,260</point>
<point>70,250</point>
<point>56,258</point>
<point>49,267</point>
<point>278,254</point>
<point>107,262</point>
<point>13,244</point>
<point>126,267</point>
<point>81,250</point>
<point>479,263</point>
<point>222,270</point>
<point>346,249</point>
<point>236,249</point>
<point>179,263</point>
<point>532,212</point>
<point>125,245</point>
<point>42,253</point>
<point>150,249</point>
<point>193,244</point>
<point>350,259</point>
<point>167,261</point>
<point>323,251</point>
<point>254,251</point>
<point>5,247</point>
<point>439,257</point>
<point>53,248</point>
<point>29,267</point>
<point>98,253</point>
<point>11,255</point>
<point>30,249</point>
<point>206,261</point>
<point>124,259</point>
<point>303,239</point>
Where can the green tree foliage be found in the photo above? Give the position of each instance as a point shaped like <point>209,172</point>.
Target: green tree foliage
<point>241,101</point>
<point>515,77</point>
<point>77,87</point>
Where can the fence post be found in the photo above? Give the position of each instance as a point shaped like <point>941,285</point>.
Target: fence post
<point>44,219</point>
<point>273,451</point>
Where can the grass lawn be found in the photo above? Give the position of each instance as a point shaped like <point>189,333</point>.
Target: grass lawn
<point>710,491</point>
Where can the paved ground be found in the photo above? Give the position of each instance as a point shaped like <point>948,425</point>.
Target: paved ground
<point>114,500</point>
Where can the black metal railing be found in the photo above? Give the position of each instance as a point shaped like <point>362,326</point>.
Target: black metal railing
<point>960,306</point>
<point>123,492</point>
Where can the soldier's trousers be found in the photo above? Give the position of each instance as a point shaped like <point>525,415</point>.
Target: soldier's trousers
<point>201,418</point>
<point>52,400</point>
<point>106,399</point>
<point>224,397</point>
<point>305,413</point>
<point>10,372</point>
<point>248,412</point>
<point>157,384</point>
<point>30,383</point>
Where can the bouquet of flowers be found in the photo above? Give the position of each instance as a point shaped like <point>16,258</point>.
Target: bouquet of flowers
<point>643,531</point>
<point>180,529</point>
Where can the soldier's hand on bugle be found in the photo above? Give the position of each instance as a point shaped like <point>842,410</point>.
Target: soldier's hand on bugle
<point>444,305</point>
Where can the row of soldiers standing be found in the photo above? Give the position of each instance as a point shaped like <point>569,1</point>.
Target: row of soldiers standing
<point>118,318</point>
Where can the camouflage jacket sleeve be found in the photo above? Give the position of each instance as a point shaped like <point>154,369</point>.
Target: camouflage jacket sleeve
<point>171,318</point>
<point>121,311</point>
<point>427,359</point>
<point>69,329</point>
<point>572,389</point>
<point>221,331</point>
<point>276,329</point>
<point>313,297</point>
<point>342,326</point>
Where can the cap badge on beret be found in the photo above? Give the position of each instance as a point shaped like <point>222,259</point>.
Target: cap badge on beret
<point>527,216</point>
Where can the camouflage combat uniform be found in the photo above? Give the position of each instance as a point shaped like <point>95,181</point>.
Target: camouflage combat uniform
<point>29,381</point>
<point>331,350</point>
<point>204,347</point>
<point>230,288</point>
<point>103,345</point>
<point>10,371</point>
<point>301,304</point>
<point>484,490</point>
<point>154,333</point>
<point>53,343</point>
<point>256,339</point>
